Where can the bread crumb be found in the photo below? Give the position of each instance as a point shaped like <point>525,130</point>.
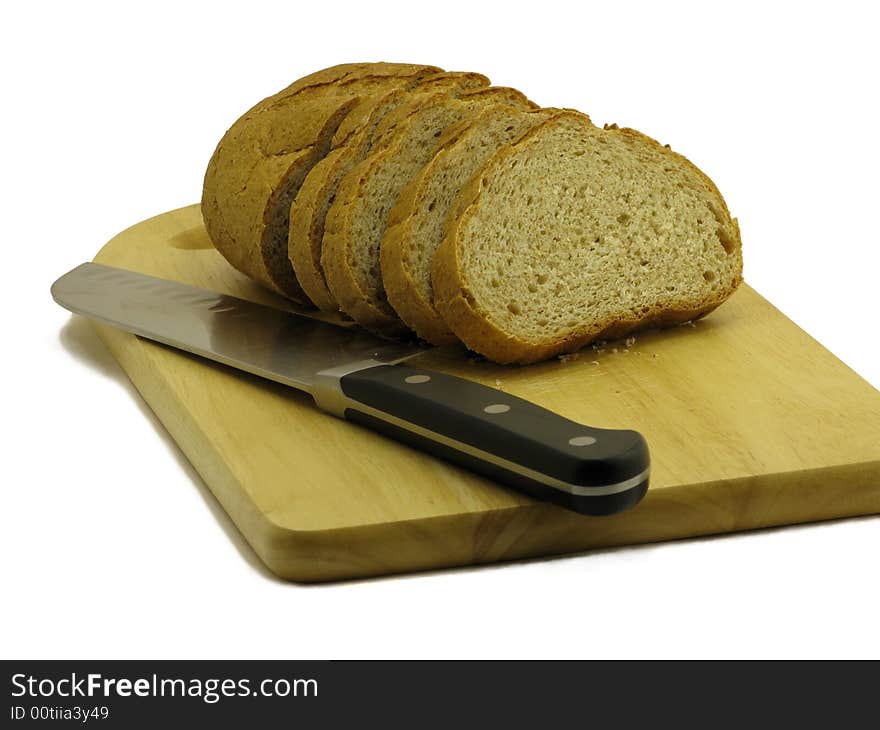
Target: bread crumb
<point>569,357</point>
<point>614,350</point>
<point>630,341</point>
<point>594,362</point>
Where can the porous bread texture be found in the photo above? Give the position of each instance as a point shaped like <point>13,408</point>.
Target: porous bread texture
<point>358,216</point>
<point>351,144</point>
<point>576,233</point>
<point>415,224</point>
<point>259,164</point>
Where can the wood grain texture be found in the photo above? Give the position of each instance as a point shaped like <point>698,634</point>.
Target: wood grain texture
<point>751,423</point>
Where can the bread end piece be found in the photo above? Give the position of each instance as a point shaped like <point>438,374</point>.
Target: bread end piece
<point>259,163</point>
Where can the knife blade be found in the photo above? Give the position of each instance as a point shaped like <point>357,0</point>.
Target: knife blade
<point>359,377</point>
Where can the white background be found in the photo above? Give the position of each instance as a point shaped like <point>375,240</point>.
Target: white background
<point>112,546</point>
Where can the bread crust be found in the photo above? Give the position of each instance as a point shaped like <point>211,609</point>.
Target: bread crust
<point>270,147</point>
<point>475,328</point>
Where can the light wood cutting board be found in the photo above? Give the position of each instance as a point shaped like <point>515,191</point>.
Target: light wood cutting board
<point>751,423</point>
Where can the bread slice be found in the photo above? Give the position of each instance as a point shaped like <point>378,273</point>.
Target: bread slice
<point>575,233</point>
<point>261,161</point>
<point>415,224</point>
<point>357,218</point>
<point>351,144</point>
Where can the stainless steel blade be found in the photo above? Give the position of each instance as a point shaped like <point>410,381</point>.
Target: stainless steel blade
<point>282,346</point>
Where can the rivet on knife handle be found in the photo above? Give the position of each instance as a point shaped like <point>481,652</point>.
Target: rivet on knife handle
<point>589,470</point>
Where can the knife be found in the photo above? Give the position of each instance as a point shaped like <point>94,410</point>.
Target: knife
<point>358,376</point>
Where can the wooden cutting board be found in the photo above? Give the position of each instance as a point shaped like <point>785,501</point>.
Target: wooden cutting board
<point>751,423</point>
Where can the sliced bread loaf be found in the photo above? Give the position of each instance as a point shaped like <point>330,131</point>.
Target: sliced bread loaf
<point>351,144</point>
<point>575,233</point>
<point>357,218</point>
<point>415,224</point>
<point>259,164</point>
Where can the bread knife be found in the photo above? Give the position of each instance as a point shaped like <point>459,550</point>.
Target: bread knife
<point>359,377</point>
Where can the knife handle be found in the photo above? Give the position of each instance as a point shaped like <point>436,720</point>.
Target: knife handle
<point>522,445</point>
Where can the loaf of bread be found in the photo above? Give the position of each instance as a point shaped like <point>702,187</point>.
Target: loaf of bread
<point>418,200</point>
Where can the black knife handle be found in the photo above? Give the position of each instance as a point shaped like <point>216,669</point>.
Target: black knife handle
<point>589,470</point>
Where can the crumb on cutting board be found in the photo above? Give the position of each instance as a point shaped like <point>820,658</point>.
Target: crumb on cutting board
<point>599,348</point>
